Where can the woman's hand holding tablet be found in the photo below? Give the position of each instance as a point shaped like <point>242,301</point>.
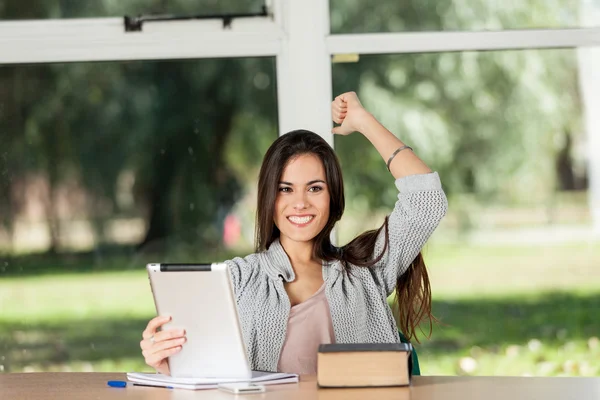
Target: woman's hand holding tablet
<point>157,345</point>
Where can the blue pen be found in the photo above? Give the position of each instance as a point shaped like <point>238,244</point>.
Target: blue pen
<point>117,384</point>
<point>122,384</point>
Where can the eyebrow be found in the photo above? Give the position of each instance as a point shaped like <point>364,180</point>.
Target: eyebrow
<point>308,184</point>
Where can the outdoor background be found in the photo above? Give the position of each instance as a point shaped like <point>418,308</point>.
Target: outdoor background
<point>107,166</point>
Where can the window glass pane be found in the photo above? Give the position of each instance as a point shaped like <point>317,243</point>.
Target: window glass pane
<point>459,15</point>
<point>105,167</point>
<point>514,264</point>
<point>41,9</point>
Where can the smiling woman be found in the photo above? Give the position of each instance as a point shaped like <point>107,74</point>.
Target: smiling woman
<point>302,204</point>
<point>299,290</point>
<point>300,190</point>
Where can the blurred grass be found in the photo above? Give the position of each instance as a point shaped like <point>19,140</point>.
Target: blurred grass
<point>470,271</point>
<point>503,311</point>
<point>546,333</point>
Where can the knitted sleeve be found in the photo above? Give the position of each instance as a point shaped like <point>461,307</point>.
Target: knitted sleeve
<point>420,207</point>
<point>242,270</point>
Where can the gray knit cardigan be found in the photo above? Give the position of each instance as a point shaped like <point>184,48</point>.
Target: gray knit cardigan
<point>357,300</point>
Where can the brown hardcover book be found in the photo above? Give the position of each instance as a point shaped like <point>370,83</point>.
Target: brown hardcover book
<point>364,364</point>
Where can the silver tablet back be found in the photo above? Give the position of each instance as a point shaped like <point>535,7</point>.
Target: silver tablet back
<point>200,299</point>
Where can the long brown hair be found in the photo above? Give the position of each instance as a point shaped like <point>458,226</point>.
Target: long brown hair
<point>413,291</point>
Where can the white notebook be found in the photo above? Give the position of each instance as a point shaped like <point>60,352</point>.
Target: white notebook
<point>264,378</point>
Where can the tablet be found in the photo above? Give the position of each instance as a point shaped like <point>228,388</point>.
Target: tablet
<point>199,298</point>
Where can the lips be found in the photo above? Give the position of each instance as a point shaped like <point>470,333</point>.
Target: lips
<point>300,219</point>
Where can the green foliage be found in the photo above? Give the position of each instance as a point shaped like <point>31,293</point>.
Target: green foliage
<point>37,9</point>
<point>358,16</point>
<point>191,134</point>
<point>166,122</point>
<point>492,123</point>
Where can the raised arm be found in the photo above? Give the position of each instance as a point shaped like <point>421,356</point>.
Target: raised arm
<point>421,201</point>
<point>352,117</point>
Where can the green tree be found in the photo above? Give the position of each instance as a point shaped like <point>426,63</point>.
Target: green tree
<point>168,122</point>
<point>492,123</point>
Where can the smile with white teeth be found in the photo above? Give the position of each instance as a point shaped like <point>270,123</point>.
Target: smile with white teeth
<point>301,220</point>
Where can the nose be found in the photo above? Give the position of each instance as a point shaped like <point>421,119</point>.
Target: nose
<point>300,201</point>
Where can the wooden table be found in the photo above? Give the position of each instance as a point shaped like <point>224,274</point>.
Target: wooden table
<point>72,385</point>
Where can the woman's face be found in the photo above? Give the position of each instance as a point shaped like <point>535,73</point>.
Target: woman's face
<point>302,203</point>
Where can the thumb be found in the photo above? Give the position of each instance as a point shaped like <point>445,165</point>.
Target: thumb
<point>337,130</point>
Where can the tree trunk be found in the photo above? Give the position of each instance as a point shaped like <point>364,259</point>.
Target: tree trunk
<point>159,225</point>
<point>564,165</point>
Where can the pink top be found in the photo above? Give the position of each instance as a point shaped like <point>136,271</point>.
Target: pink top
<point>309,325</point>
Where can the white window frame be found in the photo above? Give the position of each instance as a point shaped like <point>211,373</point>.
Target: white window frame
<point>297,33</point>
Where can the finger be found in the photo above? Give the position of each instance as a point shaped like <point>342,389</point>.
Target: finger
<point>153,325</point>
<point>338,114</point>
<point>167,344</point>
<point>147,346</point>
<point>169,334</point>
<point>338,100</point>
<point>339,109</point>
<point>157,358</point>
<point>347,96</point>
<point>338,117</point>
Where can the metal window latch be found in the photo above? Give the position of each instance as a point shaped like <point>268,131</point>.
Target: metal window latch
<point>134,24</point>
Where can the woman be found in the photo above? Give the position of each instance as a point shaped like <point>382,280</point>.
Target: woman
<point>298,290</point>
